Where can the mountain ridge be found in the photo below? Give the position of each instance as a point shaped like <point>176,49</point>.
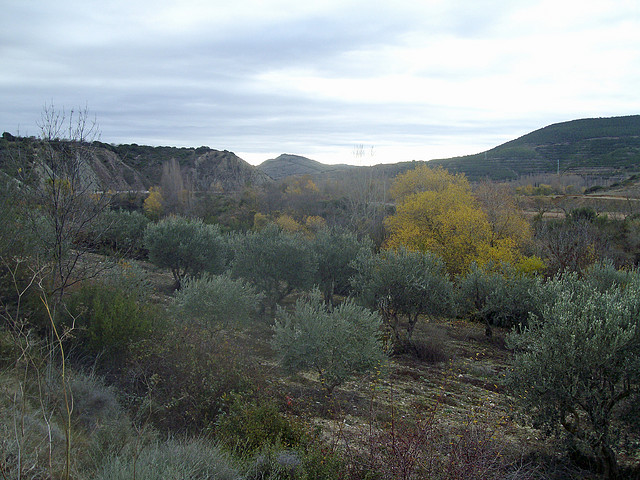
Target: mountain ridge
<point>601,146</point>
<point>287,164</point>
<point>606,147</point>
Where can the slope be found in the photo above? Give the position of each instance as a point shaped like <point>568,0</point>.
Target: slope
<point>593,146</point>
<point>286,165</point>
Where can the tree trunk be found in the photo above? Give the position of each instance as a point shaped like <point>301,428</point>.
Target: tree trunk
<point>609,462</point>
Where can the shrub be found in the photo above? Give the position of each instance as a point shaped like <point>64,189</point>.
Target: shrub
<point>275,261</point>
<point>315,463</point>
<point>117,231</point>
<point>430,346</point>
<point>604,276</point>
<point>403,285</point>
<point>336,250</point>
<point>101,426</point>
<point>217,300</point>
<point>185,246</point>
<point>172,460</point>
<point>130,279</point>
<point>499,298</point>
<point>578,363</point>
<point>108,321</point>
<point>249,426</point>
<point>337,344</point>
<point>186,374</point>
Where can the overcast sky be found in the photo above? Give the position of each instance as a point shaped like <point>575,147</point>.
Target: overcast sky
<point>408,79</point>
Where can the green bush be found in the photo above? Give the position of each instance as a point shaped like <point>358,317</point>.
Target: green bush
<point>187,247</point>
<point>403,285</point>
<point>336,250</point>
<point>172,460</point>
<point>503,298</point>
<point>314,463</point>
<point>130,279</point>
<point>275,261</point>
<point>249,426</point>
<point>604,276</point>
<point>187,373</point>
<point>577,364</point>
<point>108,321</point>
<point>336,344</point>
<point>120,232</point>
<point>217,300</point>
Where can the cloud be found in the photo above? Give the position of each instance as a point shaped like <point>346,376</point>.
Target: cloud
<point>417,79</point>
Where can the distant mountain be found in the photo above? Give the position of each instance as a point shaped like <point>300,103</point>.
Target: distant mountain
<point>137,167</point>
<point>598,147</point>
<point>206,168</point>
<point>286,165</point>
<point>591,146</point>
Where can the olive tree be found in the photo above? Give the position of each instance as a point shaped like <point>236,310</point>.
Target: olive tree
<point>217,300</point>
<point>577,364</point>
<point>502,298</point>
<point>185,246</point>
<point>403,285</point>
<point>275,261</point>
<point>337,344</point>
<point>336,249</point>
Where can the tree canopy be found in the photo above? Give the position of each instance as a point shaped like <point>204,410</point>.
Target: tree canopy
<point>437,212</point>
<point>337,344</point>
<point>185,246</point>
<point>578,363</point>
<point>403,285</point>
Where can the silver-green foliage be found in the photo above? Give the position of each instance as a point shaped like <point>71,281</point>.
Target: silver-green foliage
<point>171,460</point>
<point>118,231</point>
<point>336,250</point>
<point>217,300</point>
<point>185,246</point>
<point>503,298</point>
<point>403,285</point>
<point>336,344</point>
<point>275,261</point>
<point>577,364</point>
<point>604,276</point>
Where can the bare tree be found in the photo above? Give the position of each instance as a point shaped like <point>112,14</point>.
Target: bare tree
<point>60,193</point>
<point>570,245</point>
<point>366,198</point>
<point>173,187</point>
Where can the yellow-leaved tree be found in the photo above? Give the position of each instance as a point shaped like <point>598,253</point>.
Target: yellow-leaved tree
<point>436,211</point>
<point>153,203</point>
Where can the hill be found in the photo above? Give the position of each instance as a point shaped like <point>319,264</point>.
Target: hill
<point>604,147</point>
<point>136,167</point>
<point>286,165</point>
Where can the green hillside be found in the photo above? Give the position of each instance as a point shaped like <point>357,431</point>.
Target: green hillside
<point>286,165</point>
<point>599,146</point>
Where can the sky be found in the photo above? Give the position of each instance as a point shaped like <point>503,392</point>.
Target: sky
<point>344,81</point>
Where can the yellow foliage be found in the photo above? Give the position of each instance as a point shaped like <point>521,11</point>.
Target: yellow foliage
<point>447,223</point>
<point>315,223</point>
<point>498,252</point>
<point>288,224</point>
<point>441,215</point>
<point>300,185</point>
<point>260,221</point>
<point>531,265</point>
<point>153,203</point>
<point>57,186</point>
<point>423,179</point>
<point>310,186</point>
